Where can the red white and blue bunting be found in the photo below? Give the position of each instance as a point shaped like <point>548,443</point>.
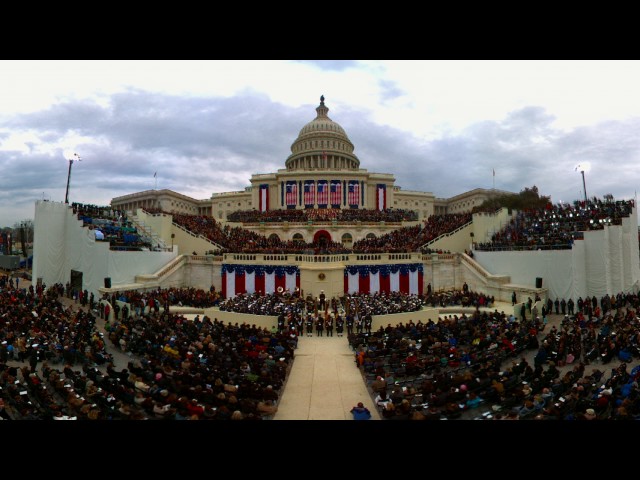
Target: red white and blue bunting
<point>264,197</point>
<point>403,278</point>
<point>381,196</point>
<point>238,279</point>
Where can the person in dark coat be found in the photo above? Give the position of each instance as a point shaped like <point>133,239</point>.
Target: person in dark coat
<point>328,325</point>
<point>309,326</point>
<point>339,326</point>
<point>319,326</point>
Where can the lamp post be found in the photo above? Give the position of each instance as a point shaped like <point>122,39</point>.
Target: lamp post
<point>584,167</point>
<point>66,197</point>
<point>584,186</point>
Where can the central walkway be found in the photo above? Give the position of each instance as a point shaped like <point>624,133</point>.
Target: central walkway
<point>324,382</point>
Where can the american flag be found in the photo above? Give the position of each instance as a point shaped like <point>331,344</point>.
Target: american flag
<point>323,192</point>
<point>309,193</point>
<point>336,192</point>
<point>292,194</point>
<point>354,193</point>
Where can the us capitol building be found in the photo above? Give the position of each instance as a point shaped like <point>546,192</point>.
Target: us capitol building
<point>322,172</point>
<point>322,176</point>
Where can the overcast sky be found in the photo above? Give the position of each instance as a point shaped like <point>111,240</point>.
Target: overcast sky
<point>207,126</point>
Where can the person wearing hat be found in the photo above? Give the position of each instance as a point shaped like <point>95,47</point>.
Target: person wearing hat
<point>360,412</point>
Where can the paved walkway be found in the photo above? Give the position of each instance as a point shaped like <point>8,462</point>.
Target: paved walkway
<point>324,382</point>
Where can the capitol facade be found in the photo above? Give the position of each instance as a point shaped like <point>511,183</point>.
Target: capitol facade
<point>322,173</point>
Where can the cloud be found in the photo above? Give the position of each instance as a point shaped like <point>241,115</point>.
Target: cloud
<point>205,144</point>
<point>337,65</point>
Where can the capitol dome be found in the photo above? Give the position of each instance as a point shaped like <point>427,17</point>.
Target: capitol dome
<point>322,144</point>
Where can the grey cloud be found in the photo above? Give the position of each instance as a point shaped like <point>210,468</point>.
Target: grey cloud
<point>201,145</point>
<point>390,90</point>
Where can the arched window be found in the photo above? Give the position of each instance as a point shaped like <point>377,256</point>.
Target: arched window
<point>274,238</point>
<point>370,236</point>
<point>298,238</point>
<point>347,239</point>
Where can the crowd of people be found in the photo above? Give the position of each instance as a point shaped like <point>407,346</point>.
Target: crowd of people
<point>258,303</point>
<point>324,214</point>
<point>412,239</point>
<point>238,239</point>
<point>381,303</point>
<point>241,240</point>
<point>557,226</point>
<point>162,298</point>
<point>463,297</point>
<point>111,225</point>
<point>475,365</point>
<point>55,362</point>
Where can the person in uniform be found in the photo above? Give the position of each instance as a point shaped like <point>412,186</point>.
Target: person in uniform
<point>322,298</point>
<point>359,323</point>
<point>368,321</point>
<point>299,325</point>
<point>349,325</point>
<point>328,325</point>
<point>339,326</point>
<point>309,325</point>
<point>281,323</point>
<point>319,326</point>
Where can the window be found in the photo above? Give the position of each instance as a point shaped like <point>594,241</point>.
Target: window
<point>370,236</point>
<point>347,239</point>
<point>298,238</point>
<point>274,238</point>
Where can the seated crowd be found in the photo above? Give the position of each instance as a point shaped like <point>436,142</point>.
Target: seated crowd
<point>381,303</point>
<point>474,365</point>
<point>325,214</point>
<point>557,226</point>
<point>238,239</point>
<point>180,369</point>
<point>258,303</point>
<point>111,225</point>
<point>241,240</point>
<point>412,239</point>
